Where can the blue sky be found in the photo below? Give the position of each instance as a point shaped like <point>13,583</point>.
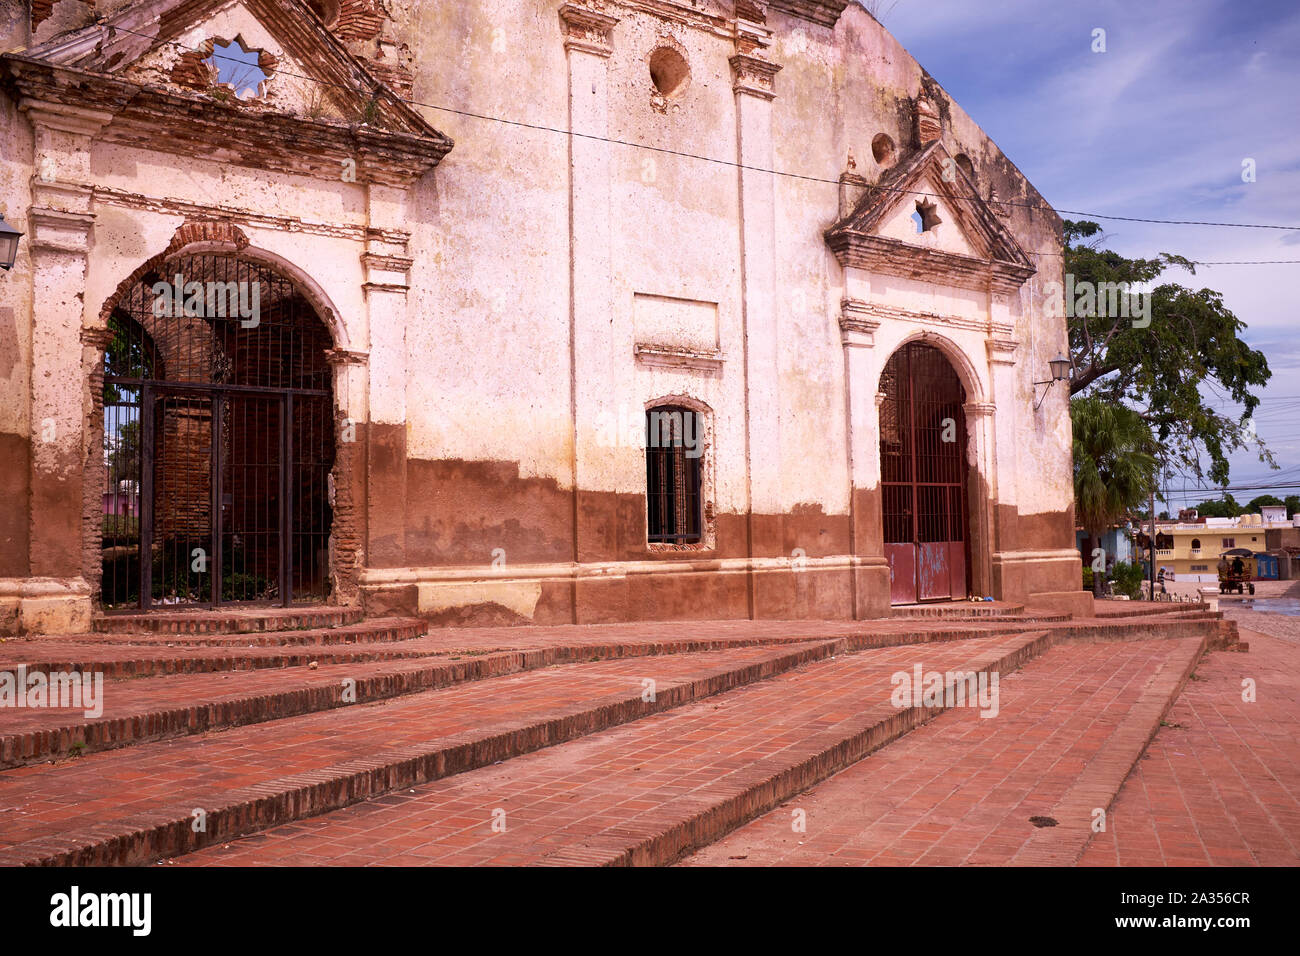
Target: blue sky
<point>1157,126</point>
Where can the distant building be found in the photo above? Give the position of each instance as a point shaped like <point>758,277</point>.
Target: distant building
<point>1190,550</point>
<point>1117,543</point>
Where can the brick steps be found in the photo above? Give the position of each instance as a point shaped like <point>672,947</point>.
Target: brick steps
<point>964,610</point>
<point>156,706</point>
<point>963,790</point>
<point>1124,609</point>
<point>231,621</point>
<point>647,792</point>
<point>286,730</point>
<point>153,658</point>
<point>372,631</point>
<point>135,804</point>
<point>116,662</point>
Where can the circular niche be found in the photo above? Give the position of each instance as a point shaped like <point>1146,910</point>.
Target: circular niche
<point>669,72</point>
<point>966,166</point>
<point>327,10</point>
<point>882,148</point>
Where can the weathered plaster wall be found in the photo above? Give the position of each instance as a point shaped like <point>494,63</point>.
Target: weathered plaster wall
<point>15,339</point>
<point>540,263</point>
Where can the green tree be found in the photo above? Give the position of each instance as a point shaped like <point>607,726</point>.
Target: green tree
<point>1225,508</point>
<point>1114,466</point>
<point>1164,370</point>
<point>1292,505</point>
<point>124,451</point>
<point>1257,503</point>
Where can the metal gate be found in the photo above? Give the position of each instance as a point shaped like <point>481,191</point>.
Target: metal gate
<point>218,440</point>
<point>923,476</point>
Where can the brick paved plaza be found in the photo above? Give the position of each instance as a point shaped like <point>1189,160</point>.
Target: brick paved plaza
<point>321,739</point>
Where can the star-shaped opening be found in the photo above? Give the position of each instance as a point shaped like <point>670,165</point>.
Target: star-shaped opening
<point>926,216</point>
<point>239,68</point>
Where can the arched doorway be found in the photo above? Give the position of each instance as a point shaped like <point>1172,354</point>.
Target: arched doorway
<point>924,477</point>
<point>218,439</point>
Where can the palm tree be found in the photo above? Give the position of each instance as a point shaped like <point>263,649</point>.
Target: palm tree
<point>1114,466</point>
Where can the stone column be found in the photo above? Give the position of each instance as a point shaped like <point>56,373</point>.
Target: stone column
<point>754,85</point>
<point>62,234</point>
<point>347,489</point>
<point>857,333</point>
<point>588,44</point>
<point>387,276</point>
<point>980,447</point>
<point>1000,469</point>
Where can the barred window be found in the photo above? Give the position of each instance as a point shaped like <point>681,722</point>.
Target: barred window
<point>673,457</point>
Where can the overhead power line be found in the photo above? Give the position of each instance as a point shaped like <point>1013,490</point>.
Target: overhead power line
<point>471,114</point>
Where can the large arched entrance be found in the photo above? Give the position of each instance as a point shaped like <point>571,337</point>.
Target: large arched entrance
<point>924,477</point>
<point>218,439</point>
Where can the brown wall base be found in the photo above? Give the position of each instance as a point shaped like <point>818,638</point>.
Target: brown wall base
<point>44,606</point>
<point>709,592</point>
<point>1075,603</point>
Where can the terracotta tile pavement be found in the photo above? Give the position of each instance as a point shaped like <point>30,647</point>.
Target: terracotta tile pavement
<point>961,789</point>
<point>204,771</point>
<point>1220,784</point>
<point>613,788</point>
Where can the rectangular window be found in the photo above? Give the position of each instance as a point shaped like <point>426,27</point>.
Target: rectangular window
<point>673,458</point>
<point>1229,543</point>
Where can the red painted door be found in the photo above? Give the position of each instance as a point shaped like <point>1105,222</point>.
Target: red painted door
<point>902,573</point>
<point>923,476</point>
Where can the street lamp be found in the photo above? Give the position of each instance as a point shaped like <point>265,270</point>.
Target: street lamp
<point>9,237</point>
<point>1060,373</point>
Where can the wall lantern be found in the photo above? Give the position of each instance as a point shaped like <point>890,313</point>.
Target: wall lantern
<point>1060,373</point>
<point>9,237</point>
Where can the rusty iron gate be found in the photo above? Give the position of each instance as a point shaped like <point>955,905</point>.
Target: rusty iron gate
<point>923,476</point>
<point>218,440</point>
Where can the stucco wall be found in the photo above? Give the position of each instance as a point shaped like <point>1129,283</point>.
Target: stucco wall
<point>540,262</point>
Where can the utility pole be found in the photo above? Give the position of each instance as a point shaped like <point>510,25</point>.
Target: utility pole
<point>1153,544</point>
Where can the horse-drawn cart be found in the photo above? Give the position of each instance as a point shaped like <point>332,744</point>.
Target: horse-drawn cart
<point>1236,571</point>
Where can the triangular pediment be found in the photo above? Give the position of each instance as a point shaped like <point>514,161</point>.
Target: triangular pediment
<point>300,94</point>
<point>961,230</point>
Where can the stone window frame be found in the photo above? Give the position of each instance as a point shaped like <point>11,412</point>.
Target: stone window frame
<point>708,478</point>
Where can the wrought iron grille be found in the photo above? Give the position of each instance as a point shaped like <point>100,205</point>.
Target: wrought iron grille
<point>674,454</point>
<point>922,448</point>
<point>218,439</point>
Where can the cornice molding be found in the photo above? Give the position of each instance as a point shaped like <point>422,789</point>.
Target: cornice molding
<point>878,312</point>
<point>1002,351</point>
<point>54,230</point>
<point>65,117</point>
<point>667,357</point>
<point>822,12</point>
<point>108,108</point>
<point>857,324</point>
<point>587,29</point>
<point>754,76</point>
<point>897,258</point>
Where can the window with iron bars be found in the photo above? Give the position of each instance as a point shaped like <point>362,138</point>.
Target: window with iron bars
<point>673,456</point>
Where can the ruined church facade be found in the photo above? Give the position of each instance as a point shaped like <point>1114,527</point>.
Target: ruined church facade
<point>521,312</point>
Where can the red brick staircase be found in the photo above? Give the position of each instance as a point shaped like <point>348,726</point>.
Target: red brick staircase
<point>262,719</point>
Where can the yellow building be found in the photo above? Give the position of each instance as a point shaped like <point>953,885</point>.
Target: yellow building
<point>1190,550</point>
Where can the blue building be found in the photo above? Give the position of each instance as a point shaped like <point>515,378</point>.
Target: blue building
<point>1116,542</point>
